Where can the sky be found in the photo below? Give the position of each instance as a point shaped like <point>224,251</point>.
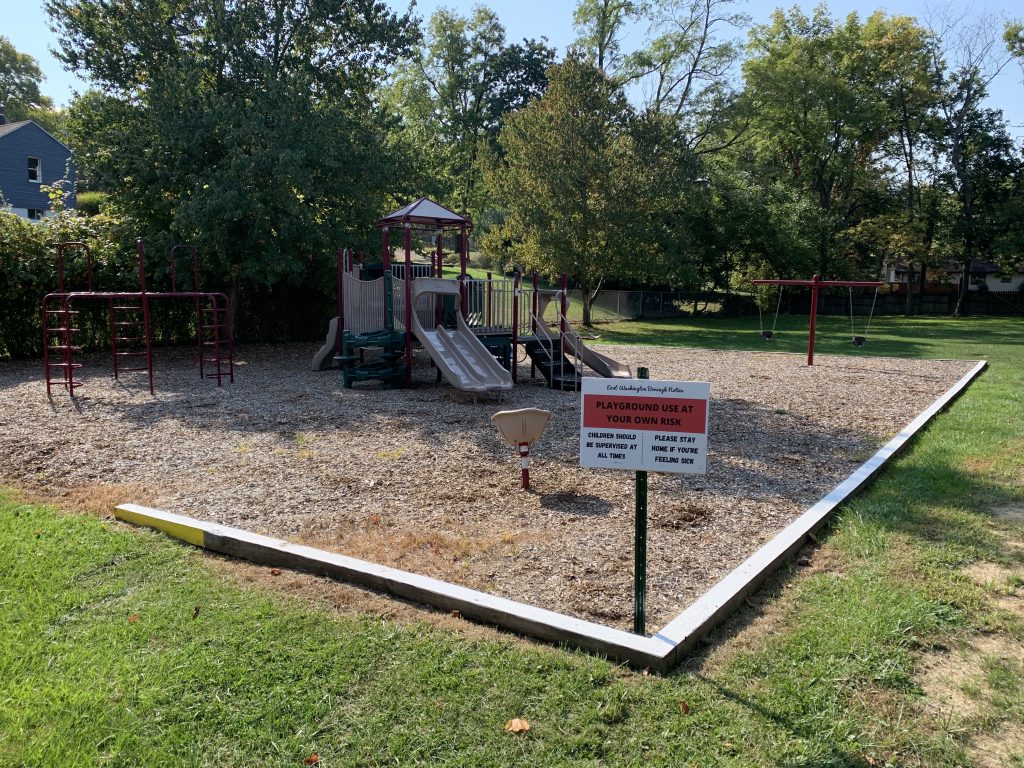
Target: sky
<point>26,25</point>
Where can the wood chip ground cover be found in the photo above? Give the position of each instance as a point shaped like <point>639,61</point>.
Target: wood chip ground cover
<point>420,479</point>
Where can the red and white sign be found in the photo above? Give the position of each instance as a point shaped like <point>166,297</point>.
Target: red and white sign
<point>645,424</point>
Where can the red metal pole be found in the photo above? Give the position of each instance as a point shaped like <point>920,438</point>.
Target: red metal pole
<point>815,287</point>
<point>536,304</point>
<point>564,303</point>
<point>463,256</point>
<point>488,309</point>
<point>440,250</point>
<point>408,305</point>
<point>145,314</point>
<point>515,325</point>
<point>524,460</point>
<point>341,294</point>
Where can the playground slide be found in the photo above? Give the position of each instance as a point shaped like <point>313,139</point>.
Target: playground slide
<point>324,358</point>
<point>604,366</point>
<point>458,354</point>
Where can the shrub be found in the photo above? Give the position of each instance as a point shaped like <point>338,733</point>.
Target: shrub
<point>90,203</point>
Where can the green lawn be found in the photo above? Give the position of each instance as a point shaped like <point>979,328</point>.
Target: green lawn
<point>119,647</point>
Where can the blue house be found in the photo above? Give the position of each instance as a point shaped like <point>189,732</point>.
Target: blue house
<point>29,159</point>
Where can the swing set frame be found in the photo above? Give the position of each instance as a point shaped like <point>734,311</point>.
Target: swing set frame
<point>816,284</point>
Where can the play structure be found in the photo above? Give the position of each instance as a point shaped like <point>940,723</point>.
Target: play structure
<point>130,320</point>
<point>816,284</point>
<point>472,329</point>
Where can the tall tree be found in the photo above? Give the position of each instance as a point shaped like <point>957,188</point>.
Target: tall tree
<point>453,92</point>
<point>20,79</point>
<point>685,69</point>
<point>821,117</point>
<point>970,56</point>
<point>248,128</point>
<point>600,25</point>
<point>566,181</point>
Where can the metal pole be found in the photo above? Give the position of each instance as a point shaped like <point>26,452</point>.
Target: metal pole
<point>524,458</point>
<point>515,326</point>
<point>408,304</point>
<point>640,548</point>
<point>815,287</point>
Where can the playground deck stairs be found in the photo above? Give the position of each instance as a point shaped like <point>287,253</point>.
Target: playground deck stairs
<point>555,367</point>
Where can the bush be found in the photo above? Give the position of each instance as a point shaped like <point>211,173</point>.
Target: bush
<point>28,270</point>
<point>90,203</point>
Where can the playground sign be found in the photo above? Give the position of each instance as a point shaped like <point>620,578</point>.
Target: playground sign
<point>644,424</point>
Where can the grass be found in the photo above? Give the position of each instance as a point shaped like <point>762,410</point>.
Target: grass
<point>119,647</point>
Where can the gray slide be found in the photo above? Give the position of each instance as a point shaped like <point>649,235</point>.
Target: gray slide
<point>602,365</point>
<point>465,362</point>
<point>324,358</point>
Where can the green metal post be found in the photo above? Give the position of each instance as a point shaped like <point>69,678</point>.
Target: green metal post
<point>640,548</point>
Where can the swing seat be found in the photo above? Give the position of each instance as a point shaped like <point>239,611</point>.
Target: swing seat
<point>858,341</point>
<point>767,335</point>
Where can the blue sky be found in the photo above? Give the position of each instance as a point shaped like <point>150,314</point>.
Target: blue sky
<point>25,23</point>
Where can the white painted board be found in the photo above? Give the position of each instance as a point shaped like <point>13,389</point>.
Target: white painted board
<point>644,424</point>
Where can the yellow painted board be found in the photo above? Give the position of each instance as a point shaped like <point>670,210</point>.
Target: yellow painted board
<point>189,533</point>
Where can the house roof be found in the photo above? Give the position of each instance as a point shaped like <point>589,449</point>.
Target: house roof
<point>7,128</point>
<point>426,211</point>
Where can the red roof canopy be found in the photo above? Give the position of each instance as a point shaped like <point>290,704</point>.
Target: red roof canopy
<point>428,214</point>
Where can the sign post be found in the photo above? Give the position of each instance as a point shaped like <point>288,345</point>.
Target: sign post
<point>640,544</point>
<point>644,425</point>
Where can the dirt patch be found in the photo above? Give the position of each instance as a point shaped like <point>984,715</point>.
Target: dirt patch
<point>1012,512</point>
<point>420,478</point>
<point>1002,748</point>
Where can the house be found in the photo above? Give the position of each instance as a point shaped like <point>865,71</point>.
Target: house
<point>29,159</point>
<point>984,275</point>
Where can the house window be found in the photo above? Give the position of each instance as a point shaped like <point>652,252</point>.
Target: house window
<point>1006,279</point>
<point>36,213</point>
<point>35,170</point>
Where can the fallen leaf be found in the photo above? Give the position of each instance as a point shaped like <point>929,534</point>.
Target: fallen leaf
<point>133,618</point>
<point>517,725</point>
<point>275,571</point>
<point>313,759</point>
<point>684,707</point>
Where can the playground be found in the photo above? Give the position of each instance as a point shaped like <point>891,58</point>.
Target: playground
<point>420,479</point>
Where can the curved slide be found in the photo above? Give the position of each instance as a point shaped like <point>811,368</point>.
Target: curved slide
<point>324,358</point>
<point>458,354</point>
<point>603,365</point>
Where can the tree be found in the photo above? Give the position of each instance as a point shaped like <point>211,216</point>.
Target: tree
<point>600,23</point>
<point>453,92</point>
<point>969,59</point>
<point>684,69</point>
<point>247,128</point>
<point>20,78</point>
<point>822,115</point>
<point>565,183</point>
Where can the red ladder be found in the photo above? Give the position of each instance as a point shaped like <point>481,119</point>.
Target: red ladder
<point>131,337</point>
<point>58,342</point>
<point>215,339</point>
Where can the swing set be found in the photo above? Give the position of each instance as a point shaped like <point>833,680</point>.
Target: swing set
<point>816,284</point>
